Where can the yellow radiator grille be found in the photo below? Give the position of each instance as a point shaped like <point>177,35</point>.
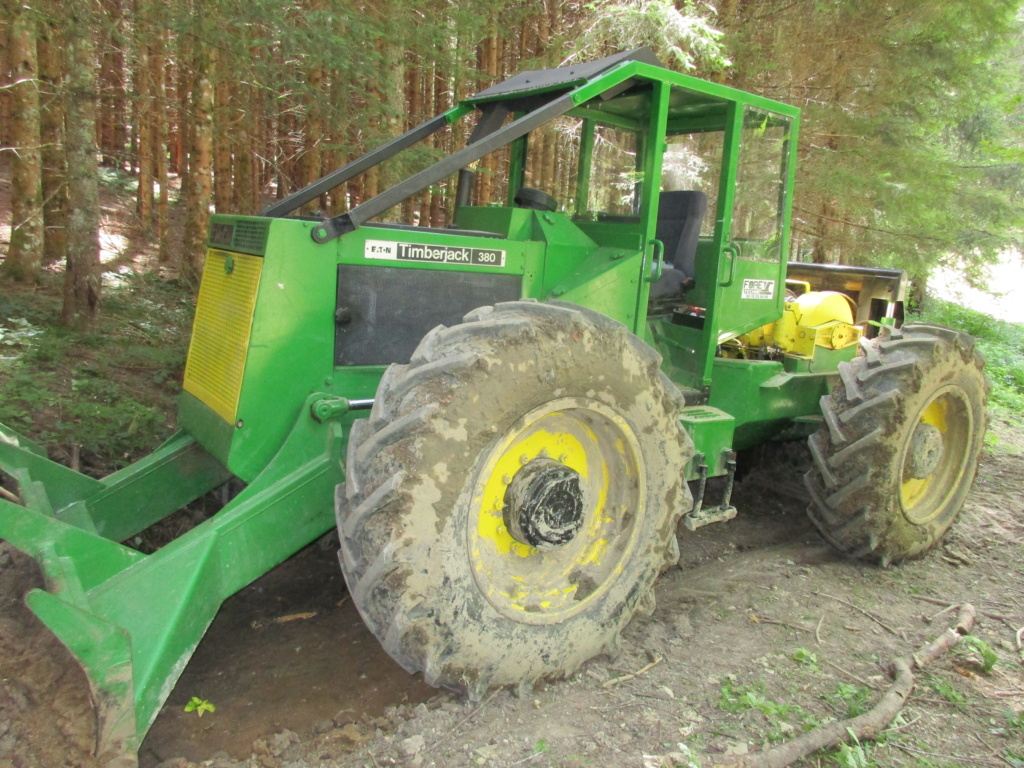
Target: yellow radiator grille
<point>220,337</point>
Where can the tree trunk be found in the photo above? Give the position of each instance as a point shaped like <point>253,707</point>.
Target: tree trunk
<point>222,133</point>
<point>113,128</point>
<point>143,117</point>
<point>5,74</point>
<point>198,190</point>
<point>312,131</point>
<point>179,83</point>
<point>51,125</point>
<point>158,77</point>
<point>82,277</point>
<point>26,251</point>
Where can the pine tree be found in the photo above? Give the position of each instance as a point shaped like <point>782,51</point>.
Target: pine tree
<point>26,251</point>
<point>197,187</point>
<point>82,276</point>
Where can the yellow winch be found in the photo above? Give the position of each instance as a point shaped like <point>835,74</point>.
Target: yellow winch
<point>815,318</point>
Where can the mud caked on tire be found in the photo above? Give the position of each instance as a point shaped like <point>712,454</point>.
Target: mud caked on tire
<point>898,450</point>
<point>513,495</point>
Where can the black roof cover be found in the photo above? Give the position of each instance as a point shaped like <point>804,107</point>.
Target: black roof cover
<point>562,77</point>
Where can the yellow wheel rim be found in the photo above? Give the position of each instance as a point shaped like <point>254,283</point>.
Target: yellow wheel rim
<point>541,586</point>
<point>934,456</point>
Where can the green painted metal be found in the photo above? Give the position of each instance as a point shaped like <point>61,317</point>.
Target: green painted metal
<point>133,620</point>
<point>765,398</point>
<point>584,167</point>
<point>653,147</point>
<point>713,430</point>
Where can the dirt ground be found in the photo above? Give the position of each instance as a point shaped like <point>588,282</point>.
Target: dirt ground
<point>759,634</point>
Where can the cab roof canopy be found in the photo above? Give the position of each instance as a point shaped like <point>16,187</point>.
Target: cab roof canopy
<point>614,90</point>
<point>529,90</point>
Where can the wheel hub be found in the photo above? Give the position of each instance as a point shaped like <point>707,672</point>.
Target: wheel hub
<point>544,504</point>
<point>925,451</point>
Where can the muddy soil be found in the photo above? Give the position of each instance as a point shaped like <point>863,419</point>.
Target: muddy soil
<point>760,633</point>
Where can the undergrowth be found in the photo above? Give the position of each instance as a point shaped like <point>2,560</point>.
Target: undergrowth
<point>106,397</point>
<point>1001,343</point>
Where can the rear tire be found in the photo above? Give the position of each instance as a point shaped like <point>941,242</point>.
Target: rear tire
<point>899,447</point>
<point>426,546</point>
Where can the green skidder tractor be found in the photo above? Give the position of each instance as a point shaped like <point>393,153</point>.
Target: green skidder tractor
<point>504,417</point>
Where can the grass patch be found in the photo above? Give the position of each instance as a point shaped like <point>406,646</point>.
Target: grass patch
<point>107,396</point>
<point>850,701</point>
<point>946,690</point>
<point>1001,343</point>
<point>781,720</point>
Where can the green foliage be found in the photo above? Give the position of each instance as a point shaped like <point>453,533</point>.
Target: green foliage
<point>1015,720</point>
<point>984,651</point>
<point>16,337</point>
<point>805,658</point>
<point>911,132</point>
<point>946,690</point>
<point>100,416</point>
<point>854,755</point>
<point>106,397</point>
<point>116,181</point>
<point>199,706</point>
<point>744,698</point>
<point>1002,345</point>
<point>681,36</point>
<point>850,700</point>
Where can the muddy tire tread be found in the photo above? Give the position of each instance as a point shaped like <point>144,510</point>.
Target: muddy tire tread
<point>853,502</point>
<point>376,554</point>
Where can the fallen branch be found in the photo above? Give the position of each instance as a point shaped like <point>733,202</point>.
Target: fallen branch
<point>797,627</point>
<point>632,675</point>
<point>295,617</point>
<point>869,614</point>
<point>940,601</point>
<point>954,758</point>
<point>902,727</point>
<point>850,675</point>
<point>944,611</point>
<point>871,723</point>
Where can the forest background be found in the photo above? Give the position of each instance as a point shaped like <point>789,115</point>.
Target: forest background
<point>911,154</point>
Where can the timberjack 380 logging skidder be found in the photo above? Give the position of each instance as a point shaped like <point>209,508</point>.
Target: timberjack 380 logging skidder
<point>504,415</point>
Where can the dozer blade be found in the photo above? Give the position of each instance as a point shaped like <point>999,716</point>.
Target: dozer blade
<point>132,621</point>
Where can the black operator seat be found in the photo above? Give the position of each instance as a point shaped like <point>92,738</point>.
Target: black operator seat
<point>534,199</point>
<point>680,215</point>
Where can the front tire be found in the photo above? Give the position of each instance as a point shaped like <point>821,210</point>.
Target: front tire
<point>513,495</point>
<point>899,447</point>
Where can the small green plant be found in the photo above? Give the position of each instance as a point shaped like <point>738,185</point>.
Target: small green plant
<point>984,651</point>
<point>540,747</point>
<point>805,658</point>
<point>781,717</point>
<point>850,700</point>
<point>1015,720</point>
<point>855,755</point>
<point>199,706</point>
<point>946,690</point>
